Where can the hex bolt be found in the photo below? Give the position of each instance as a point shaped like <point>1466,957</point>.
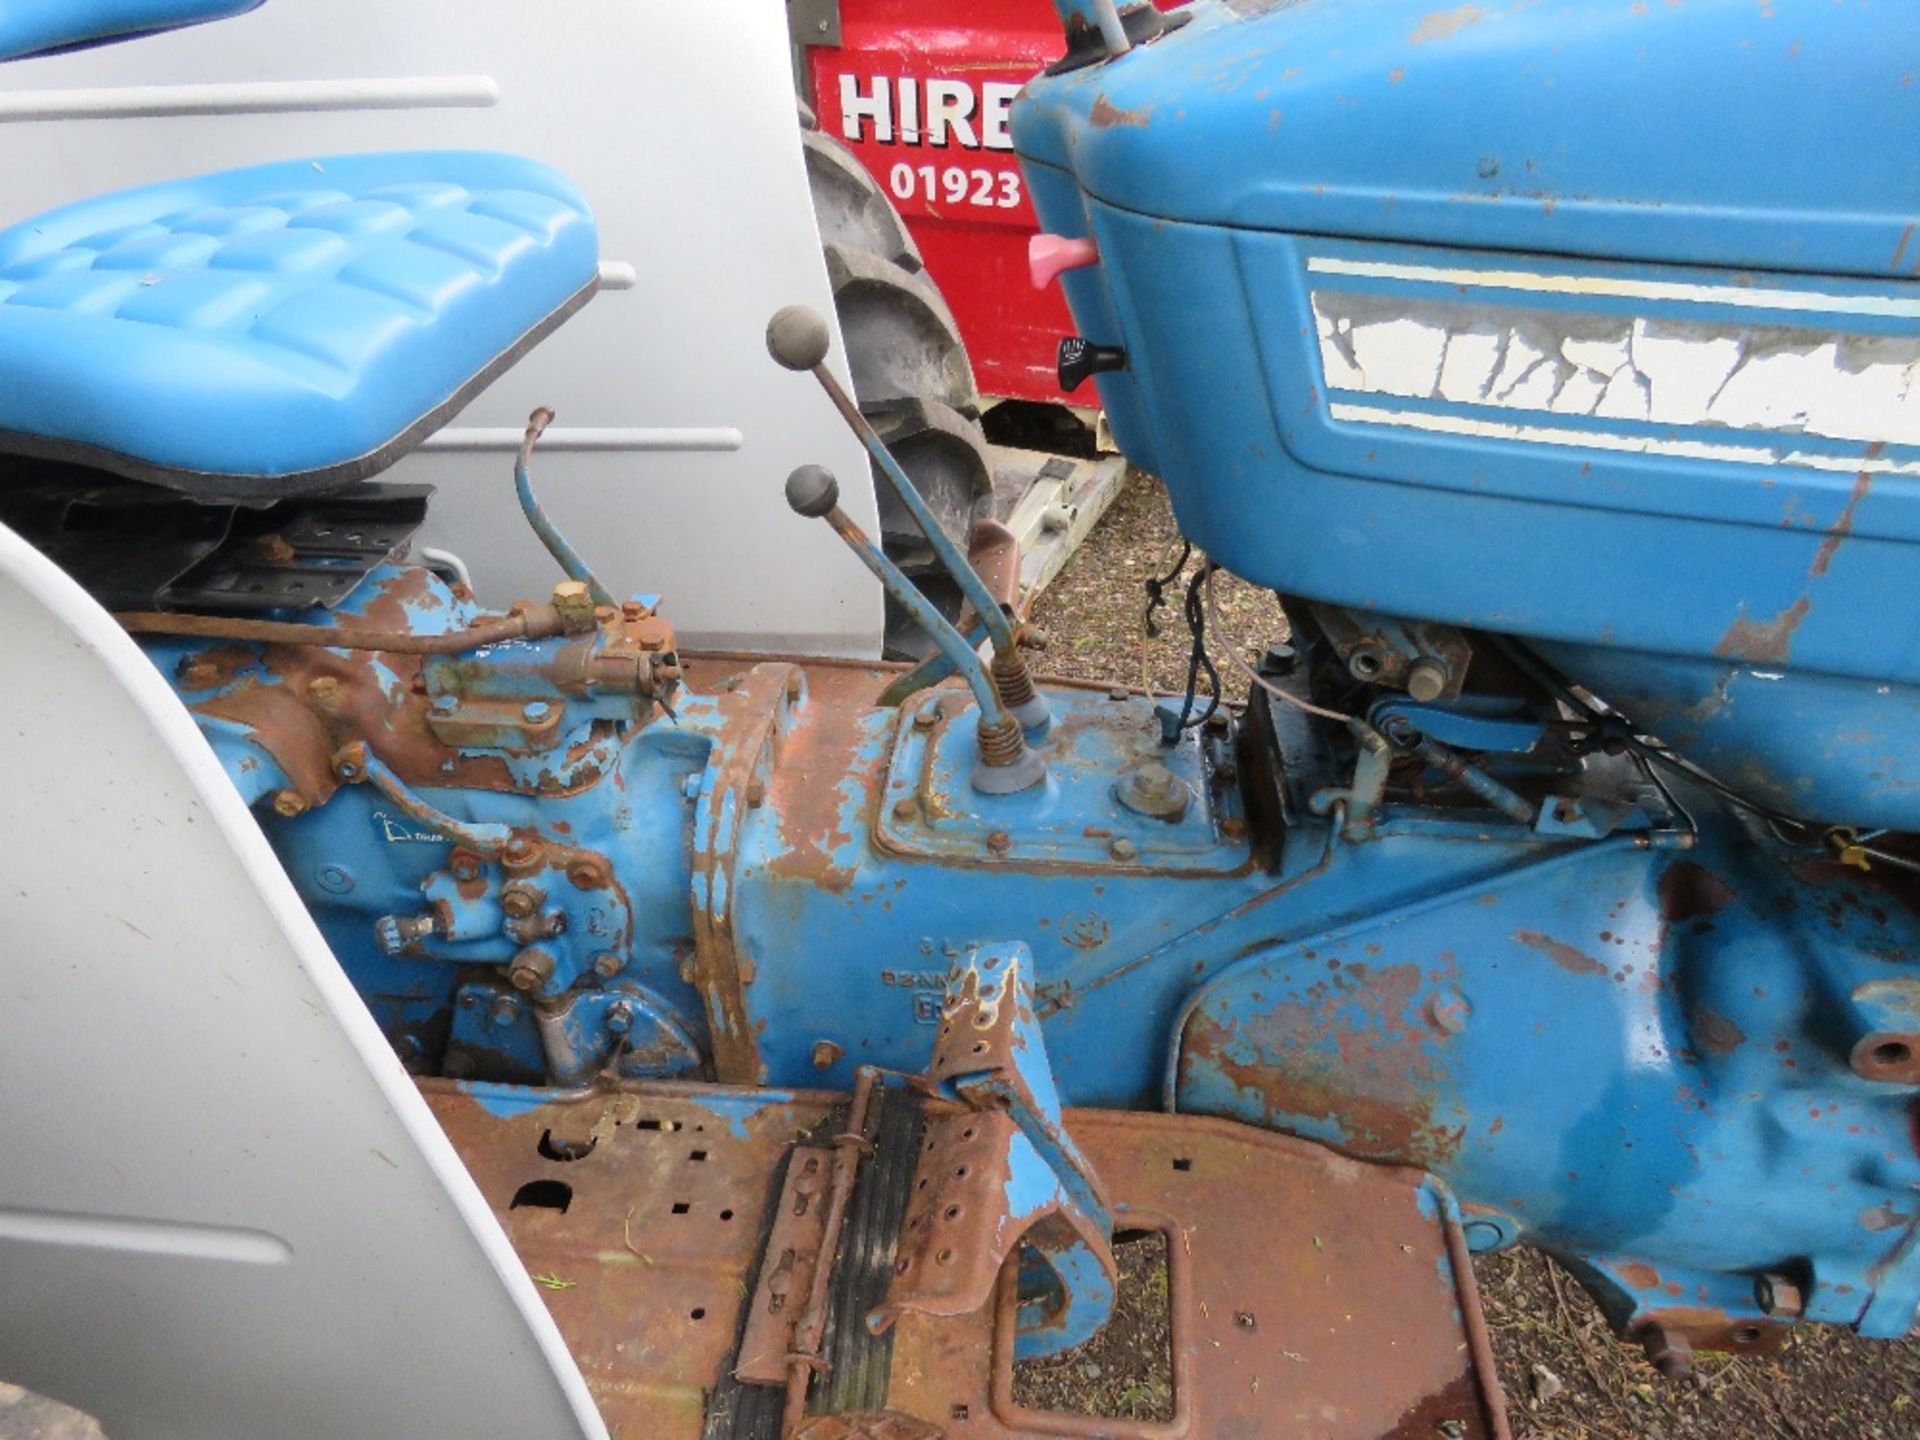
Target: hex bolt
<point>531,969</point>
<point>1279,660</point>
<point>289,803</point>
<point>1668,1351</point>
<point>620,1017</point>
<point>1233,828</point>
<point>520,900</point>
<point>1123,849</point>
<point>906,809</point>
<point>999,842</point>
<point>535,712</point>
<point>522,852</point>
<point>826,1054</point>
<point>1154,781</point>
<point>607,964</point>
<point>1777,1295</point>
<point>926,719</point>
<point>587,875</point>
<point>465,865</point>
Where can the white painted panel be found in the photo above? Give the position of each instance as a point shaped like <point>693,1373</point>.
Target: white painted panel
<point>225,1213</point>
<point>678,122</point>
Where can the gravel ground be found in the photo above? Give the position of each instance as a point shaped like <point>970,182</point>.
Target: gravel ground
<point>1566,1378</point>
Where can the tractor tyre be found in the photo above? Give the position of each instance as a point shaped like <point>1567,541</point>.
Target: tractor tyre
<point>911,376</point>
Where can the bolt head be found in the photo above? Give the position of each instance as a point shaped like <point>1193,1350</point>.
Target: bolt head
<point>1123,849</point>
<point>607,964</point>
<point>925,719</point>
<point>1427,680</point>
<point>620,1017</point>
<point>999,842</point>
<point>505,1011</point>
<point>905,809</point>
<point>289,803</point>
<point>535,712</point>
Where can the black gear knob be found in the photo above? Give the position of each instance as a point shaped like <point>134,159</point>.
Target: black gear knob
<point>1080,357</point>
<point>812,491</point>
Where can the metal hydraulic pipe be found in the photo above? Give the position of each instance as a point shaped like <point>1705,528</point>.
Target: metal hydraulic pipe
<point>549,533</point>
<point>537,622</point>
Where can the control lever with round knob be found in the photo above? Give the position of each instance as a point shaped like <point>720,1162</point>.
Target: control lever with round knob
<point>1006,763</point>
<point>798,338</point>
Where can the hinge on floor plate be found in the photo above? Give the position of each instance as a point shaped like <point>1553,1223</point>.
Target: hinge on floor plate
<point>997,1170</point>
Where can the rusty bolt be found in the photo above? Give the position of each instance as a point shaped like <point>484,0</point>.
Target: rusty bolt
<point>1121,848</point>
<point>999,842</point>
<point>607,964</point>
<point>520,900</point>
<point>198,674</point>
<point>323,689</point>
<point>826,1054</point>
<point>620,1017</point>
<point>756,793</point>
<point>925,719</point>
<point>574,604</point>
<point>522,852</point>
<point>587,875</point>
<point>633,610</point>
<point>535,712</point>
<point>1777,1295</point>
<point>1427,679</point>
<point>605,614</point>
<point>531,969</point>
<point>1234,828</point>
<point>289,803</point>
<point>1668,1351</point>
<point>906,808</point>
<point>465,865</point>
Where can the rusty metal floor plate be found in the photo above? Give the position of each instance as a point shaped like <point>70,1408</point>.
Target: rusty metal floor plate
<point>649,1265</point>
<point>1310,1295</point>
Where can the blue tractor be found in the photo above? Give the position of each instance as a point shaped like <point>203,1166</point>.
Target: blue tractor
<point>812,1028</point>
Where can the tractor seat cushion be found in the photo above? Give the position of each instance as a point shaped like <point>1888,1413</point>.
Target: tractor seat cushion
<point>283,329</point>
<point>30,27</point>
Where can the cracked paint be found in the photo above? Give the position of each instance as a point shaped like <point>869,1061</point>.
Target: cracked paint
<point>1777,379</point>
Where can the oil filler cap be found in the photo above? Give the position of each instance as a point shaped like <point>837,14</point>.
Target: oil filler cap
<point>1080,357</point>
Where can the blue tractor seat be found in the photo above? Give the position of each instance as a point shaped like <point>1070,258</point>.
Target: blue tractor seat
<point>33,27</point>
<point>284,329</point>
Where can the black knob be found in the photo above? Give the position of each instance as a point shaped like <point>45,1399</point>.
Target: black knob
<point>1080,357</point>
<point>812,491</point>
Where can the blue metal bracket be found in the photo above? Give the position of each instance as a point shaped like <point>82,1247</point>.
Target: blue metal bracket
<point>998,1173</point>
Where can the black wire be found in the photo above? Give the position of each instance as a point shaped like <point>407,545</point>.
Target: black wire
<point>1156,589</point>
<point>1653,754</point>
<point>1197,658</point>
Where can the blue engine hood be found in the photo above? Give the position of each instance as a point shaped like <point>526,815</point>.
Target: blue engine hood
<point>1719,132</point>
